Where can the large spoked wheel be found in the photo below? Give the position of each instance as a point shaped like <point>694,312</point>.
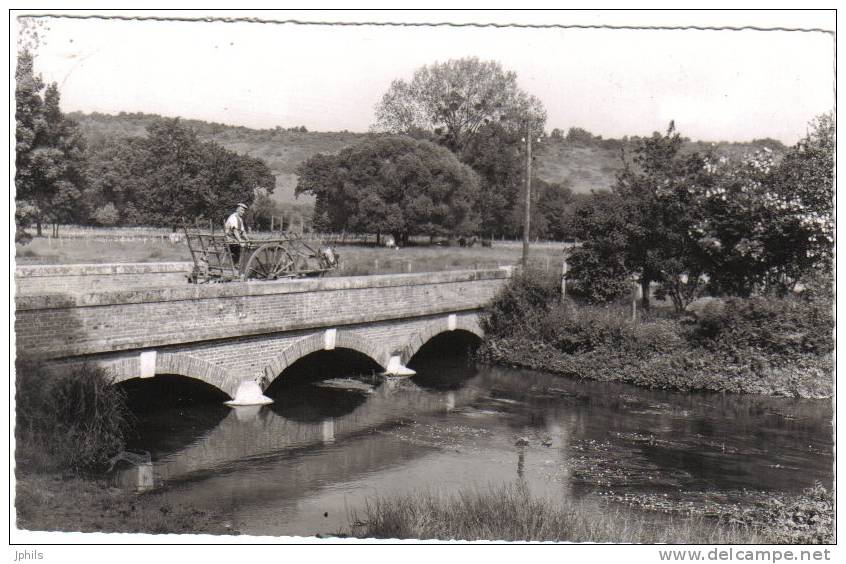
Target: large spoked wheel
<point>269,262</point>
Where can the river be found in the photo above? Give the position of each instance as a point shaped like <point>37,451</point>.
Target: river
<point>305,464</point>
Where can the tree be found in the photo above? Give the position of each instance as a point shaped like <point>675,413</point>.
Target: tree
<point>581,136</point>
<point>766,223</point>
<point>263,209</point>
<point>494,153</point>
<point>658,189</point>
<point>395,185</point>
<point>648,229</point>
<point>171,174</point>
<point>552,214</point>
<point>455,99</point>
<point>597,270</point>
<point>49,150</point>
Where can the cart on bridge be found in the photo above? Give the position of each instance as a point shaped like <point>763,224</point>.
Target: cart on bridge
<point>280,256</point>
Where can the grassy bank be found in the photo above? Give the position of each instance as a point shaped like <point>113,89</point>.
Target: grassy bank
<point>511,513</point>
<point>56,502</point>
<point>761,345</point>
<point>68,424</point>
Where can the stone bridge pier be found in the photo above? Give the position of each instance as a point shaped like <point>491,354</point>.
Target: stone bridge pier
<point>247,333</point>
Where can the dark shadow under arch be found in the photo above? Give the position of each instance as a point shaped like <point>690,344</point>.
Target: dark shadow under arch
<point>167,391</point>
<point>323,365</point>
<point>446,361</point>
<point>171,411</point>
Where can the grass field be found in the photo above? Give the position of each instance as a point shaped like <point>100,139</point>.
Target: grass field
<point>511,513</point>
<point>355,259</point>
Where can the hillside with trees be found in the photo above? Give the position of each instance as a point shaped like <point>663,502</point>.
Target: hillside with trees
<point>583,163</point>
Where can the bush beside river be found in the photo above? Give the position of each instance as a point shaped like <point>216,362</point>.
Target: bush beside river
<point>68,425</point>
<point>762,345</point>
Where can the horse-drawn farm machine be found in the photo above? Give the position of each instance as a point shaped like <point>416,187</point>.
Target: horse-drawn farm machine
<point>280,256</point>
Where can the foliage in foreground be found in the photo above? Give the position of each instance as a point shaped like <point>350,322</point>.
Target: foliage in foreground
<point>771,346</point>
<point>512,513</point>
<point>71,419</point>
<point>691,222</point>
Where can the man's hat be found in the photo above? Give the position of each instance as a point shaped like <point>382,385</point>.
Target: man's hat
<point>244,206</point>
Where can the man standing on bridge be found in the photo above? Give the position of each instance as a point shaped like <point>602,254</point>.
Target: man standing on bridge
<point>236,235</point>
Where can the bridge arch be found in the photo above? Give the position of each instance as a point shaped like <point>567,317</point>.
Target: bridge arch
<point>177,364</point>
<point>470,324</point>
<point>318,342</point>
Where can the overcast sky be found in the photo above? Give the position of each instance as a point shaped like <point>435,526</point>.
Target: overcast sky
<point>716,85</point>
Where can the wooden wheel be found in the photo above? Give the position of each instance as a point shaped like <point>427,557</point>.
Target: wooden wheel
<point>268,262</point>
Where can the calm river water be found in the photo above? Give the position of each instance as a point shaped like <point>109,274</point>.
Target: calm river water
<point>302,465</point>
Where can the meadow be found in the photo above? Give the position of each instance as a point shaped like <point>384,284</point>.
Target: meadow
<point>82,245</point>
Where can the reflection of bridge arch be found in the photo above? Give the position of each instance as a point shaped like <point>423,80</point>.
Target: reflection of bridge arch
<point>178,365</point>
<point>321,342</point>
<point>436,327</point>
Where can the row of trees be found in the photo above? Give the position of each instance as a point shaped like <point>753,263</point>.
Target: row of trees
<point>152,180</point>
<point>688,222</point>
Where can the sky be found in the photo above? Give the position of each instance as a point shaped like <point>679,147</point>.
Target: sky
<point>716,85</point>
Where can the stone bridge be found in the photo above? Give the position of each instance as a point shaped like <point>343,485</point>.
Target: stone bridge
<point>226,334</point>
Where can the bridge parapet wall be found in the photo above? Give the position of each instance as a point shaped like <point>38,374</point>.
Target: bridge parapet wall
<point>69,325</point>
<point>82,278</point>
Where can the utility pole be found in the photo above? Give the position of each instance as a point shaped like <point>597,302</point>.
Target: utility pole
<point>528,197</point>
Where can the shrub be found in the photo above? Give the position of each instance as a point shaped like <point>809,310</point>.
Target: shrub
<point>521,305</point>
<point>575,329</point>
<point>596,278</point>
<point>106,215</point>
<point>69,419</point>
<point>781,326</point>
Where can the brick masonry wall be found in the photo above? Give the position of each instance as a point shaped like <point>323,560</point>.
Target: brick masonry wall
<point>83,278</point>
<point>225,333</point>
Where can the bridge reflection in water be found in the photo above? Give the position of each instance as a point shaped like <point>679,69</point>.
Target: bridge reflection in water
<point>350,408</point>
<point>298,467</point>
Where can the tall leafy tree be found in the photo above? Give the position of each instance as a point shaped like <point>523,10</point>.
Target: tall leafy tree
<point>455,99</point>
<point>395,185</point>
<point>494,153</point>
<point>49,150</point>
<point>644,227</point>
<point>659,193</point>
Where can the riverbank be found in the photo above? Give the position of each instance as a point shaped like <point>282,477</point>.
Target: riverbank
<point>53,502</point>
<point>809,378</point>
<point>511,513</point>
<point>761,345</point>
